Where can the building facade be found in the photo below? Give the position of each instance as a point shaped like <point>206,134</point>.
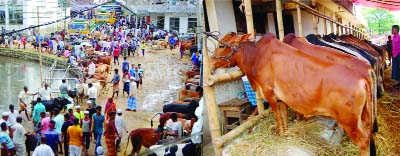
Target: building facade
<point>18,14</point>
<point>231,19</point>
<point>170,15</point>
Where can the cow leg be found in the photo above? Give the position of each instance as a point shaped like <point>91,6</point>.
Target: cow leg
<point>359,136</point>
<point>284,114</point>
<point>275,108</point>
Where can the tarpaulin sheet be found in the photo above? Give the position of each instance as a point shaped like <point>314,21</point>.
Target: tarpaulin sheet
<point>391,5</point>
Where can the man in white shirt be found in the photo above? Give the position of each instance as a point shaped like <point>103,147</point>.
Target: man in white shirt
<point>92,94</point>
<point>19,137</point>
<point>12,115</point>
<point>45,93</point>
<point>43,149</point>
<point>92,69</point>
<point>120,125</point>
<point>176,126</point>
<point>23,101</point>
<point>4,118</point>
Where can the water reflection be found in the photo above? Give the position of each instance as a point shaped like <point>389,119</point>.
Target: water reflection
<point>14,75</point>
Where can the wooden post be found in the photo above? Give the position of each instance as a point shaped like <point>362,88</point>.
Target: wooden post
<point>209,94</point>
<point>249,18</point>
<point>279,19</point>
<point>349,28</point>
<point>325,24</point>
<point>315,19</point>
<point>337,29</point>
<point>341,30</point>
<point>299,20</point>
<point>40,50</point>
<point>333,17</point>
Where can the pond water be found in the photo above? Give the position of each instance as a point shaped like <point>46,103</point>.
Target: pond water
<point>14,75</point>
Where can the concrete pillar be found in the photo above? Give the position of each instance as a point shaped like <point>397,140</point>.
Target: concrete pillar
<point>212,15</point>
<point>271,23</point>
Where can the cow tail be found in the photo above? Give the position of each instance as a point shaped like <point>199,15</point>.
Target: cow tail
<point>374,85</point>
<point>369,110</point>
<point>127,143</point>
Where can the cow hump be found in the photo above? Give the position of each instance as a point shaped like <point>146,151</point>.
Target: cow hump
<point>289,38</point>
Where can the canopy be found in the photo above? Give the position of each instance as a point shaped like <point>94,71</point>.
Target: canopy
<point>391,5</point>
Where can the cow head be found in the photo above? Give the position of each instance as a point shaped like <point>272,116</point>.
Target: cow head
<point>223,56</point>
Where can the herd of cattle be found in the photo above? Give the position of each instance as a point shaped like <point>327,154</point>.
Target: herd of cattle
<point>185,107</point>
<point>335,76</point>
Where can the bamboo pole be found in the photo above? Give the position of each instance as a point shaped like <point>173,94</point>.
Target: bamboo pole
<point>249,18</point>
<point>337,29</point>
<point>221,141</point>
<point>299,20</point>
<point>315,19</point>
<point>331,25</point>
<point>212,109</point>
<point>230,76</point>
<point>279,19</point>
<point>209,93</point>
<point>40,50</point>
<point>325,24</point>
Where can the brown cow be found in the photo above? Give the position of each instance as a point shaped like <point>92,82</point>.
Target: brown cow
<point>183,94</point>
<point>104,59</point>
<point>143,137</point>
<point>335,56</point>
<point>305,83</point>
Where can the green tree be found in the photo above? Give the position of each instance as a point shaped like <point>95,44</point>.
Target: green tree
<point>380,21</point>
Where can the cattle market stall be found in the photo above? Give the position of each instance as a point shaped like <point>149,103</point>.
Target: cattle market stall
<point>332,23</point>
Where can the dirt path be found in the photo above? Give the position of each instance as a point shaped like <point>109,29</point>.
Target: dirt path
<point>163,78</point>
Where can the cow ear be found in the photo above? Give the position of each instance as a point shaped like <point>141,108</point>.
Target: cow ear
<point>244,38</point>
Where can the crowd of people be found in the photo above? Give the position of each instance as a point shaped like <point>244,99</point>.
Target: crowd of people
<point>69,133</point>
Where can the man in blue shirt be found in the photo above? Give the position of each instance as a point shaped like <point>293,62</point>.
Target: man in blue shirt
<point>132,47</point>
<point>52,136</point>
<point>195,60</point>
<point>172,42</point>
<point>125,65</point>
<point>5,140</point>
<point>115,82</point>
